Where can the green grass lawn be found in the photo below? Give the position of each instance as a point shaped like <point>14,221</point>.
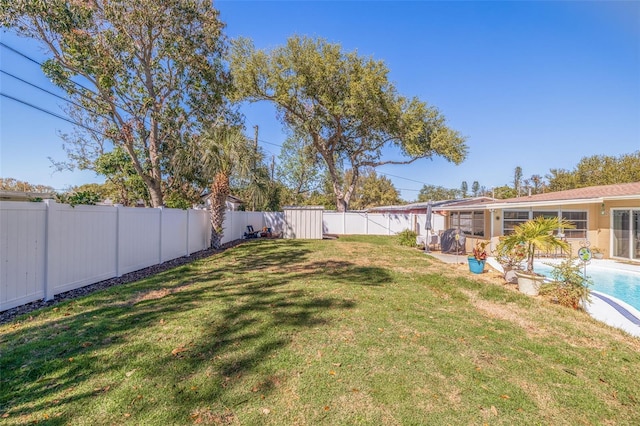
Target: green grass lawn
<point>352,331</point>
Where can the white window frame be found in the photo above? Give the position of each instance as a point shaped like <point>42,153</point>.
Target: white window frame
<point>558,213</point>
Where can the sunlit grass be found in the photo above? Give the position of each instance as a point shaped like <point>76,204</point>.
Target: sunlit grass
<point>352,331</point>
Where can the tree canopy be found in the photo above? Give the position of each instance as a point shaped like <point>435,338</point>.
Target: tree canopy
<point>144,74</point>
<point>373,191</point>
<point>597,170</point>
<point>436,193</point>
<point>346,106</point>
<point>11,184</point>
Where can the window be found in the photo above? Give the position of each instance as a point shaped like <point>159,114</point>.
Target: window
<point>470,223</point>
<point>579,219</point>
<point>513,218</point>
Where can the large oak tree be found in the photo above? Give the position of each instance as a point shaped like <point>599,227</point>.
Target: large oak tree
<point>345,104</point>
<point>150,72</point>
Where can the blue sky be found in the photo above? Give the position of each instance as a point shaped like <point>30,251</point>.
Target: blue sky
<point>532,84</point>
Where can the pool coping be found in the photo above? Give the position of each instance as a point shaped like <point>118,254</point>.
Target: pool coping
<point>622,310</point>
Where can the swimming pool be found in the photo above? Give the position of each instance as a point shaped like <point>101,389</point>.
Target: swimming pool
<point>621,284</point>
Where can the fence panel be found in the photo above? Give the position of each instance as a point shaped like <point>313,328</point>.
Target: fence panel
<point>138,239</point>
<point>333,223</point>
<point>275,221</point>
<point>236,222</point>
<point>399,222</point>
<point>22,252</point>
<point>355,223</point>
<point>199,230</point>
<point>81,246</point>
<point>378,224</point>
<point>174,233</point>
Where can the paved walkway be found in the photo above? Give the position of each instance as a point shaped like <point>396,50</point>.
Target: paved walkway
<point>604,308</point>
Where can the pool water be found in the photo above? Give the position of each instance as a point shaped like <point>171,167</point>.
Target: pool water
<point>623,285</point>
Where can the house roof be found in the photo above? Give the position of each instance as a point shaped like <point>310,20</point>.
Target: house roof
<point>621,190</point>
<point>587,195</point>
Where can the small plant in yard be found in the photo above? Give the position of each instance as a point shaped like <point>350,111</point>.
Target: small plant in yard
<point>407,238</point>
<point>569,286</point>
<point>510,258</point>
<point>480,250</point>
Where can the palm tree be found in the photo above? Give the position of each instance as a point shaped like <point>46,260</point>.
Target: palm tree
<point>535,234</point>
<point>225,151</point>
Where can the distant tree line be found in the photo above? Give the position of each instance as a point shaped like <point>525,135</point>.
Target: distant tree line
<point>590,171</point>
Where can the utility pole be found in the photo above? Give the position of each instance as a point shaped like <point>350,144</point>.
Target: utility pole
<point>255,139</point>
<point>255,159</point>
<point>273,165</point>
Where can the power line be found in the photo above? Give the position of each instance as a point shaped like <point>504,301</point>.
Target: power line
<point>400,177</point>
<point>24,55</point>
<point>270,143</point>
<point>53,114</point>
<point>44,90</point>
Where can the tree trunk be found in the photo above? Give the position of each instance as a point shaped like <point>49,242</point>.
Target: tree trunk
<point>341,204</point>
<point>155,192</point>
<point>219,192</point>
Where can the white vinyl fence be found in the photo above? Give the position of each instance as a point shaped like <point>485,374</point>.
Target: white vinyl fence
<point>362,223</point>
<point>49,248</point>
<point>235,223</point>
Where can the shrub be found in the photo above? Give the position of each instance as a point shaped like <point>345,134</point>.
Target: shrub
<point>510,258</point>
<point>569,286</point>
<point>407,238</point>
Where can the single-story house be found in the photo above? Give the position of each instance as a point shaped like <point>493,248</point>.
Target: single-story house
<point>438,223</point>
<point>606,217</point>
<point>438,212</point>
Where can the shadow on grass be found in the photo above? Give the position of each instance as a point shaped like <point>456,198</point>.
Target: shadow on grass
<point>200,326</point>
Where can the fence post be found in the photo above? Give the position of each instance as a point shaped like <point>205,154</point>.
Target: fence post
<point>188,232</point>
<point>49,225</point>
<point>119,208</point>
<point>160,210</point>
<point>344,223</point>
<point>366,223</point>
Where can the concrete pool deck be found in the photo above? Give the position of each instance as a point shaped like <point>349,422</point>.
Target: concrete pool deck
<point>603,307</point>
